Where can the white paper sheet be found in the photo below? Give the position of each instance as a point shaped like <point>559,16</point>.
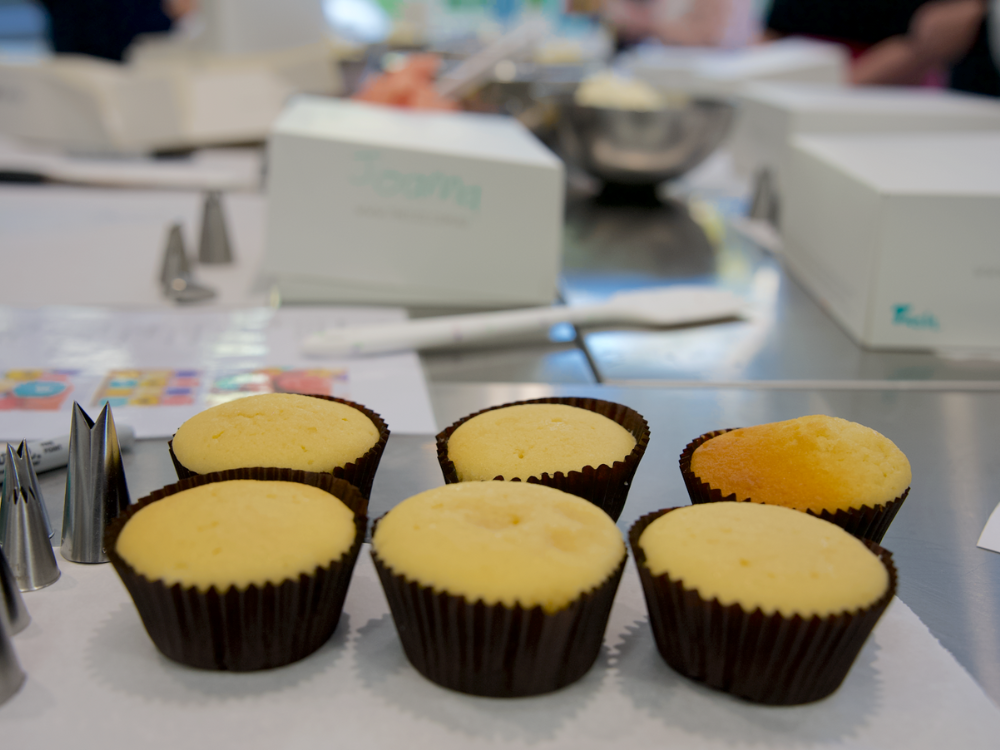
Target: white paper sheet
<point>208,169</point>
<point>990,538</point>
<point>89,343</point>
<point>62,245</point>
<point>96,681</point>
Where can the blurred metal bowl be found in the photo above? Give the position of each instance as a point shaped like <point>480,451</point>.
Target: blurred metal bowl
<point>530,92</point>
<point>630,147</point>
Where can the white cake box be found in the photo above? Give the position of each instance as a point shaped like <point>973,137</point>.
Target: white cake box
<point>898,235</point>
<point>726,72</point>
<point>771,114</point>
<point>368,203</point>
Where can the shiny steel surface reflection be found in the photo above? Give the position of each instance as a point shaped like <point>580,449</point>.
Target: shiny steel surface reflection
<point>610,245</point>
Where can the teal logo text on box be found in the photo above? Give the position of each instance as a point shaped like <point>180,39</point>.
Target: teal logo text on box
<point>903,315</point>
<point>388,183</point>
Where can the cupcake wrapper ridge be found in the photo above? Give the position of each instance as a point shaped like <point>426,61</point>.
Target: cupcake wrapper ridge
<point>254,628</point>
<point>605,486</point>
<point>360,473</point>
<point>868,523</point>
<point>495,650</point>
<point>770,659</point>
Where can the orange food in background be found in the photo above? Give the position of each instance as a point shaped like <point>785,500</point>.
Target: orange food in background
<point>410,86</point>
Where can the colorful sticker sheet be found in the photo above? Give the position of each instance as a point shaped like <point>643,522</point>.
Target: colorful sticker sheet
<point>165,387</point>
<point>158,368</point>
<point>149,388</point>
<point>35,390</point>
<point>230,386</point>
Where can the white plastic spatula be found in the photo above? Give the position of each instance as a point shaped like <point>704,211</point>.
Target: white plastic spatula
<point>477,69</point>
<point>663,306</point>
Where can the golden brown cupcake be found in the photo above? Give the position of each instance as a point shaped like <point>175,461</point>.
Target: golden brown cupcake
<point>587,447</point>
<point>757,600</point>
<point>240,570</point>
<point>838,470</point>
<point>283,430</point>
<point>499,588</point>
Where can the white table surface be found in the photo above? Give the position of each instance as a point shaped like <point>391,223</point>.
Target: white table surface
<point>95,680</point>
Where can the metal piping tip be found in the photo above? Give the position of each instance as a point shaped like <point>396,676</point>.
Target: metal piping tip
<point>12,609</point>
<point>175,259</point>
<point>24,525</point>
<point>96,491</point>
<point>11,674</point>
<point>28,479</point>
<point>214,247</point>
<point>764,203</point>
<point>176,277</point>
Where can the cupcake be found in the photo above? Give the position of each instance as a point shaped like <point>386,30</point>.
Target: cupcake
<point>759,601</point>
<point>841,471</point>
<point>583,446</point>
<point>499,588</point>
<point>241,570</point>
<point>283,430</point>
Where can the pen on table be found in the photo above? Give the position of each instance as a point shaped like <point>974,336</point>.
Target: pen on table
<point>21,176</point>
<point>54,454</point>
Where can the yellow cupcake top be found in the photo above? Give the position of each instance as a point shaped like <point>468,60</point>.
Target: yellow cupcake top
<point>528,440</point>
<point>501,542</point>
<point>764,556</point>
<point>237,533</point>
<point>811,463</point>
<point>283,430</point>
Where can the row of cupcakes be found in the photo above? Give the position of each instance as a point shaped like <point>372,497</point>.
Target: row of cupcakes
<point>841,471</point>
<point>506,643</point>
<point>498,588</point>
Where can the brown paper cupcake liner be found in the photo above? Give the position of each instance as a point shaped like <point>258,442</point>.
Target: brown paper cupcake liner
<point>866,522</point>
<point>360,473</point>
<point>254,628</point>
<point>605,486</point>
<point>769,659</point>
<point>495,650</point>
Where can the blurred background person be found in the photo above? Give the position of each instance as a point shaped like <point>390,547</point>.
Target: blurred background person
<point>979,69</point>
<point>104,28</point>
<point>899,42</point>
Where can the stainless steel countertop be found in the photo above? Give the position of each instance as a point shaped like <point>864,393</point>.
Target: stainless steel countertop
<point>787,337</point>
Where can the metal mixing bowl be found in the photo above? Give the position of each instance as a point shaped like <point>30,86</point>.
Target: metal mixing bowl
<point>531,92</point>
<point>628,147</point>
